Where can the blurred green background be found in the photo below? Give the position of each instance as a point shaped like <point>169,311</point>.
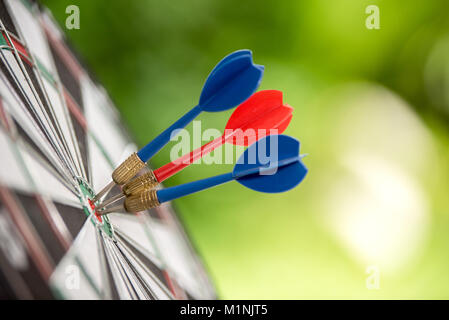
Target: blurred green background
<point>371,219</point>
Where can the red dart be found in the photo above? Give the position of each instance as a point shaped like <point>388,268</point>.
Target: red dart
<point>262,114</point>
<point>252,120</point>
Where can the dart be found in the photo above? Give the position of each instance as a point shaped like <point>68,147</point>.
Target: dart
<point>233,80</point>
<point>263,113</point>
<point>251,171</point>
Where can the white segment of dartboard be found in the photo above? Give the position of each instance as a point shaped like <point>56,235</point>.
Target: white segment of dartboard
<point>14,106</point>
<point>46,183</point>
<point>133,229</point>
<point>12,174</point>
<point>11,243</point>
<point>69,282</point>
<point>158,289</point>
<point>177,258</point>
<point>99,166</point>
<point>70,289</point>
<point>84,253</point>
<point>31,96</point>
<point>101,121</point>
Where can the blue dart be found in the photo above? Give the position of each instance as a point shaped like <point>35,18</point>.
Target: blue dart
<point>233,80</point>
<point>281,171</point>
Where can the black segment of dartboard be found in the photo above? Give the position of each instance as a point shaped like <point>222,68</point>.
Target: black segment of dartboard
<point>69,80</point>
<point>42,227</point>
<point>74,218</point>
<point>6,18</point>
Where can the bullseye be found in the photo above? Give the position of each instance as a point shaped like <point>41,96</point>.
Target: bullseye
<point>92,206</point>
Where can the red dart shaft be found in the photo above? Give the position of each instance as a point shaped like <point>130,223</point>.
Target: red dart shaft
<point>173,167</point>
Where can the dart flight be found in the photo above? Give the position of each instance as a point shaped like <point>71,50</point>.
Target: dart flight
<point>251,171</point>
<point>233,80</point>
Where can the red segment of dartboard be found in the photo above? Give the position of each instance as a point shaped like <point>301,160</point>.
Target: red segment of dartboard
<point>92,206</point>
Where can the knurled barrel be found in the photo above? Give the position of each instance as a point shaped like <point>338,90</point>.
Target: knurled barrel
<point>127,169</point>
<point>146,181</point>
<point>139,202</point>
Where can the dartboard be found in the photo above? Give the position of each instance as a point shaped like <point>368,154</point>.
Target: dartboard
<point>52,242</point>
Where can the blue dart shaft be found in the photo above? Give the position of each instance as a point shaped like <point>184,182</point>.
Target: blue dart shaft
<point>171,193</point>
<point>267,168</point>
<point>163,138</point>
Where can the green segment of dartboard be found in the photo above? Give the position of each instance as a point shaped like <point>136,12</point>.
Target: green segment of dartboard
<point>88,193</point>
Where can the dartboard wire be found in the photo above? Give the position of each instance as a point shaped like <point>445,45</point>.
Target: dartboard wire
<point>27,173</point>
<point>109,282</point>
<point>47,208</point>
<point>141,264</point>
<point>37,117</point>
<point>106,290</point>
<point>69,184</point>
<point>74,68</point>
<point>147,222</point>
<point>149,293</point>
<point>117,277</point>
<point>138,246</point>
<point>145,268</point>
<point>58,171</point>
<point>37,15</point>
<point>50,155</point>
<point>55,145</point>
<point>20,142</point>
<point>127,275</point>
<point>144,287</point>
<point>52,124</point>
<point>60,134</point>
<point>25,73</point>
<point>60,88</point>
<point>72,130</point>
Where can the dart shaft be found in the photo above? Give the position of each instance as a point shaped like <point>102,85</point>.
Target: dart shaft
<point>171,193</point>
<point>174,167</point>
<point>267,169</point>
<point>163,138</point>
